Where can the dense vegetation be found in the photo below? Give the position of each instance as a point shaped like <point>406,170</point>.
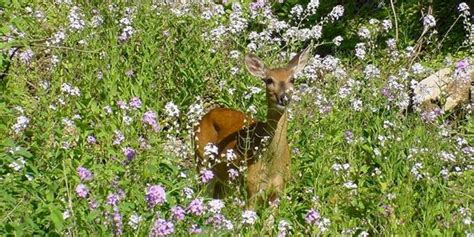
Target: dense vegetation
<point>98,102</point>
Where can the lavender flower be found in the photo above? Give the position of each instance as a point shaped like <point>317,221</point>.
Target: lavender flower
<point>155,195</point>
<point>26,56</point>
<point>82,190</point>
<point>122,105</point>
<point>161,227</point>
<point>135,103</point>
<point>93,204</point>
<point>312,216</point>
<point>196,207</point>
<point>349,136</point>
<point>117,220</point>
<point>149,118</point>
<point>206,176</point>
<point>84,174</point>
<point>129,153</point>
<point>112,199</point>
<point>178,213</point>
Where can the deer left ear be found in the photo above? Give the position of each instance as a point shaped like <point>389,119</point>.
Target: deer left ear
<point>298,62</point>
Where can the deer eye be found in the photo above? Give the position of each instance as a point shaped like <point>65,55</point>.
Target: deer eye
<point>268,81</point>
<point>292,80</point>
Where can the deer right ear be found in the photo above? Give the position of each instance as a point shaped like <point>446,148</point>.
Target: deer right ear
<point>255,65</point>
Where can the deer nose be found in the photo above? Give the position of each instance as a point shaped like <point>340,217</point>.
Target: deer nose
<point>283,99</point>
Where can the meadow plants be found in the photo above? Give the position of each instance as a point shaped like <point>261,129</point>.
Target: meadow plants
<point>98,104</point>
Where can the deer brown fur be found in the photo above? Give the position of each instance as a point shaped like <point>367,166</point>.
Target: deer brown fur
<point>260,146</point>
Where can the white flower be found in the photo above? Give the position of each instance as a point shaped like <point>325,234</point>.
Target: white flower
<point>18,164</point>
<point>360,51</point>
<point>386,25</point>
<point>312,6</point>
<point>373,21</point>
<point>21,124</point>
<point>350,185</point>
<point>417,68</point>
<point>336,13</point>
<point>391,43</point>
<point>296,11</point>
<point>429,21</point>
<point>357,104</point>
<point>364,33</point>
<point>134,221</point>
<point>337,40</point>
<point>371,71</point>
<point>249,217</point>
<point>234,54</point>
<point>76,21</point>
<point>463,7</point>
<point>211,150</point>
<point>216,205</point>
<point>171,109</point>
<point>66,214</point>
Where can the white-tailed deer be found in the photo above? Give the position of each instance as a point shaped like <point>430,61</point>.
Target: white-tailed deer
<point>260,146</point>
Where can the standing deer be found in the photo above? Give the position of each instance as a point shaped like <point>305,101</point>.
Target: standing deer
<point>260,146</point>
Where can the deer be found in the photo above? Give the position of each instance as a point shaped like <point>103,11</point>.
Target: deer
<point>260,146</point>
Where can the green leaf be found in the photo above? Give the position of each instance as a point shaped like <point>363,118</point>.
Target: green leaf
<point>56,217</point>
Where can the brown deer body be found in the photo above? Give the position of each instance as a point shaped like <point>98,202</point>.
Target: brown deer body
<point>260,146</point>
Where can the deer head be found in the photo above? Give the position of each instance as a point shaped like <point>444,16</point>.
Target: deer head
<point>278,81</point>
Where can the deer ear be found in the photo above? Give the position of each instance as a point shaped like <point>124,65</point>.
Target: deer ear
<point>298,62</point>
<point>255,65</point>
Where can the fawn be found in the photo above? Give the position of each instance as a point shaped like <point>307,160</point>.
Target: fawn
<point>261,147</point>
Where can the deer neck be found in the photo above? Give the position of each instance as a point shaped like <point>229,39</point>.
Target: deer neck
<point>275,128</point>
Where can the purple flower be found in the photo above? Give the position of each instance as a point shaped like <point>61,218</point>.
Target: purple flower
<point>135,103</point>
<point>177,212</point>
<point>112,199</point>
<point>312,216</point>
<point>84,174</point>
<point>129,153</point>
<point>118,137</point>
<point>206,176</point>
<point>149,118</point>
<point>122,105</point>
<point>162,227</point>
<point>196,207</point>
<point>93,204</point>
<point>117,219</point>
<point>82,190</point>
<point>216,220</point>
<point>91,140</point>
<point>155,195</point>
<point>349,136</point>
<point>431,116</point>
<point>26,56</point>
<point>233,174</point>
<point>257,5</point>
<point>461,65</point>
